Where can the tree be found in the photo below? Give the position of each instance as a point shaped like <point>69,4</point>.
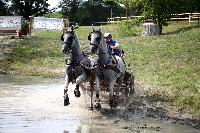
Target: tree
<point>110,5</point>
<point>86,12</point>
<point>83,12</point>
<point>3,8</point>
<point>195,6</point>
<point>28,8</point>
<point>160,10</point>
<point>70,9</point>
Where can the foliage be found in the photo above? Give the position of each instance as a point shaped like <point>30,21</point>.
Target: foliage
<point>28,8</point>
<point>160,10</point>
<point>25,28</point>
<point>54,15</point>
<point>192,5</point>
<point>3,8</point>
<point>70,9</point>
<point>87,12</point>
<point>126,28</point>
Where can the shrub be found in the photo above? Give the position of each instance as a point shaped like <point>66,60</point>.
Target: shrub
<point>25,28</point>
<point>126,28</point>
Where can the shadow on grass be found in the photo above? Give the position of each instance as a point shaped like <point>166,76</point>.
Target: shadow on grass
<point>183,29</point>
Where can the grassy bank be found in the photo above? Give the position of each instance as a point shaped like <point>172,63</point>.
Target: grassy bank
<point>169,64</point>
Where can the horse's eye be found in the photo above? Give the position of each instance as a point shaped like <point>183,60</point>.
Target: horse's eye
<point>98,39</point>
<point>70,39</point>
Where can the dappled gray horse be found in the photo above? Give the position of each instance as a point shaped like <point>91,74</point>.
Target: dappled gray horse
<point>108,69</point>
<point>77,65</point>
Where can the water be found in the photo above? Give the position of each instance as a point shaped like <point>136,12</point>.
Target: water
<point>35,105</point>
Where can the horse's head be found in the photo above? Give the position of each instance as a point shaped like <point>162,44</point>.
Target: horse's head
<point>68,37</point>
<point>95,38</point>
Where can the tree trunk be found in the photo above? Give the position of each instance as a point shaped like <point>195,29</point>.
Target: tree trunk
<point>111,14</point>
<point>159,22</point>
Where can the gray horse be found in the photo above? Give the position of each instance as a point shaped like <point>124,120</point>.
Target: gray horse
<point>109,69</point>
<point>77,66</point>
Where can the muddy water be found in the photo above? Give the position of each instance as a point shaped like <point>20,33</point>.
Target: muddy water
<point>35,105</point>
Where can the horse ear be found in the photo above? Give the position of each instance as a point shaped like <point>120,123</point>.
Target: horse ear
<point>93,27</point>
<point>72,28</point>
<point>62,38</point>
<point>89,37</point>
<point>100,28</point>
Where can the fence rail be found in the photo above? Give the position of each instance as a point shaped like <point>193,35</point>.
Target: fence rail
<point>191,17</point>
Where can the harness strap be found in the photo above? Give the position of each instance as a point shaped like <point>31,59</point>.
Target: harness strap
<point>114,68</point>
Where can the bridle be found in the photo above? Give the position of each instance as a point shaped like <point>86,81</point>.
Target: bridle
<point>98,39</point>
<point>69,41</point>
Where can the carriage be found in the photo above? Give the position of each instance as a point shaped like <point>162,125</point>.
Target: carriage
<point>101,73</point>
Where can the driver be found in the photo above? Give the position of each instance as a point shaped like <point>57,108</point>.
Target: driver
<point>113,47</point>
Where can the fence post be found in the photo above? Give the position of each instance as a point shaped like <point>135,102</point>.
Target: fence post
<point>177,18</point>
<point>198,20</point>
<point>189,19</point>
<point>30,24</point>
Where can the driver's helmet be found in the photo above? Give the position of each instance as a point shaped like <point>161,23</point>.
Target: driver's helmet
<point>107,35</point>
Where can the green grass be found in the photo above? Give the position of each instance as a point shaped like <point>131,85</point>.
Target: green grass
<point>39,55</point>
<point>169,63</point>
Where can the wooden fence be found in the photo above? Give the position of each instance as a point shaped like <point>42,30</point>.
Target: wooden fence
<point>191,17</point>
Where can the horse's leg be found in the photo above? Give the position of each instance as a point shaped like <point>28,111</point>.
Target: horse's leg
<point>79,80</point>
<point>83,88</point>
<point>66,98</point>
<point>111,94</point>
<point>119,84</point>
<point>91,91</point>
<point>97,101</point>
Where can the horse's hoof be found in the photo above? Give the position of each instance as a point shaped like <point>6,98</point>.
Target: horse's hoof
<point>77,93</point>
<point>66,100</point>
<point>113,104</point>
<point>98,106</point>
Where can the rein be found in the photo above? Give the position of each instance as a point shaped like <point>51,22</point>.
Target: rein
<point>76,63</point>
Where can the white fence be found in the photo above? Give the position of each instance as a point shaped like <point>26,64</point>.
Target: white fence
<point>48,23</point>
<point>43,23</point>
<point>10,24</point>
